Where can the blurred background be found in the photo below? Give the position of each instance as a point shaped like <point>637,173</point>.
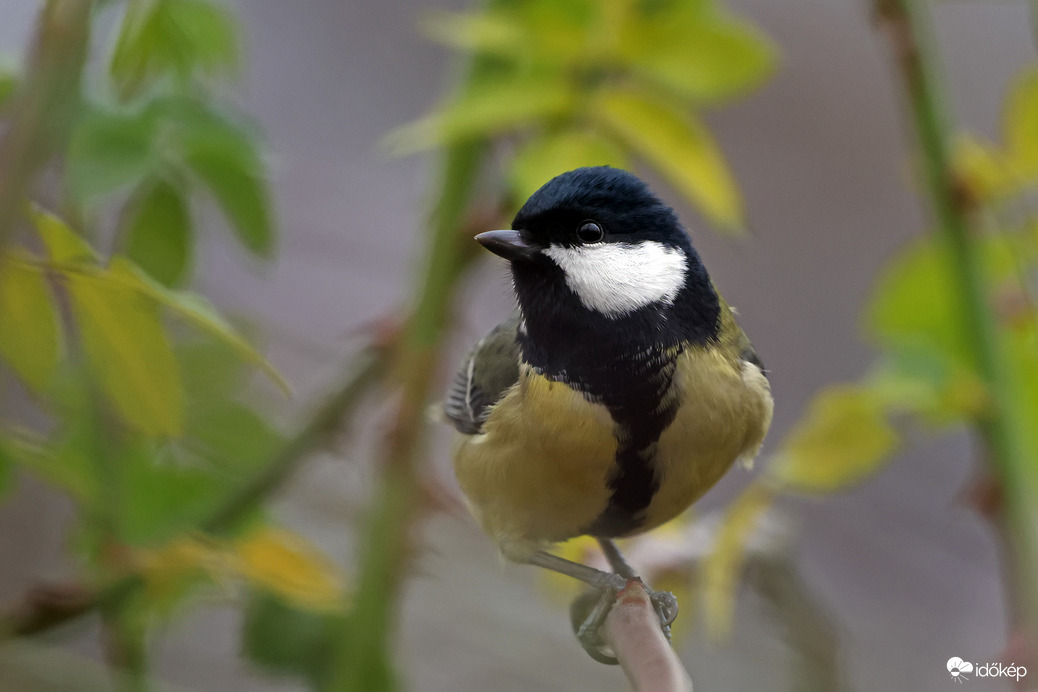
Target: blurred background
<point>908,573</point>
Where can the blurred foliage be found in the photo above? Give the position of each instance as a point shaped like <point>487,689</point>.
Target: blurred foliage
<point>123,389</point>
<point>583,82</point>
<point>924,375</point>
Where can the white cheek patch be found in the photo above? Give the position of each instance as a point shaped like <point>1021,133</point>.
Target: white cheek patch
<point>618,278</point>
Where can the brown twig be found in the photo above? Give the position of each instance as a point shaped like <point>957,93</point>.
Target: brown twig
<point>632,630</point>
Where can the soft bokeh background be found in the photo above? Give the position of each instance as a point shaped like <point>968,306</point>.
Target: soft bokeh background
<point>909,573</point>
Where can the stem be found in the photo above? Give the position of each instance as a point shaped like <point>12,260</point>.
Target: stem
<point>1000,428</point>
<point>363,643</point>
<point>44,105</point>
<point>367,369</point>
<point>125,647</point>
<point>633,632</point>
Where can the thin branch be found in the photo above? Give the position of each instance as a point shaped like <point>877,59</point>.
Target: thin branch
<point>44,104</point>
<point>632,630</point>
<point>367,368</point>
<point>908,25</point>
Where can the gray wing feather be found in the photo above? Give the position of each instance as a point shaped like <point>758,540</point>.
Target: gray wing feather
<point>487,372</point>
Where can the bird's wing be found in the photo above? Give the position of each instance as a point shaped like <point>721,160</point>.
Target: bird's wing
<point>488,371</point>
<point>748,353</point>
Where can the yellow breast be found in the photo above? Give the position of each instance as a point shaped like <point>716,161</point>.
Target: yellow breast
<point>539,472</point>
<point>725,412</point>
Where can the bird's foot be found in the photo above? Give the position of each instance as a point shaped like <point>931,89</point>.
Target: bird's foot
<point>589,611</point>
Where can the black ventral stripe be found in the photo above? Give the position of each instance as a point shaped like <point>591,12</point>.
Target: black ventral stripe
<point>634,403</point>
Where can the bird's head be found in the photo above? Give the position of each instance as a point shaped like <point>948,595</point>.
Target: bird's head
<point>595,245</point>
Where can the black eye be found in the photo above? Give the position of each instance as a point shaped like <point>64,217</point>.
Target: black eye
<point>590,232</point>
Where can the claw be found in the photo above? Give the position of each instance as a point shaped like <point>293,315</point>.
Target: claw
<point>587,615</point>
<point>589,610</point>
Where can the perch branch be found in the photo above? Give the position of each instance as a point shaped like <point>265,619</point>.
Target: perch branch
<point>632,630</point>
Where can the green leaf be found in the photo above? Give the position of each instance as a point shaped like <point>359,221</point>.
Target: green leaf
<point>285,639</point>
<point>158,233</point>
<point>1020,123</point>
<point>844,438</point>
<point>63,244</point>
<point>110,151</point>
<point>179,38</point>
<point>910,301</point>
<point>211,369</point>
<point>913,298</point>
<point>679,146</point>
<point>705,56</point>
<point>493,109</point>
<point>8,85</point>
<point>231,434</point>
<point>228,165</point>
<point>542,158</point>
<point>30,336</point>
<point>64,457</point>
<point>128,352</point>
<point>159,499</point>
<point>196,310</point>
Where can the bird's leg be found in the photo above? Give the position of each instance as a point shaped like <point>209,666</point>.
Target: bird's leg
<point>589,610</point>
<point>616,559</point>
<point>595,578</point>
<point>663,602</point>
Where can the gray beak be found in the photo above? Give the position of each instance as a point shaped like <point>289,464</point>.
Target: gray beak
<point>507,244</point>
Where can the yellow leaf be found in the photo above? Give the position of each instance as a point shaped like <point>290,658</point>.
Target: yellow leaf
<point>723,567</point>
<point>166,569</point>
<point>844,438</point>
<point>63,244</point>
<point>128,351</point>
<point>543,158</point>
<point>493,109</point>
<point>679,146</point>
<point>196,310</point>
<point>286,564</point>
<point>30,336</point>
<point>487,32</point>
<point>984,170</point>
<point>1020,122</point>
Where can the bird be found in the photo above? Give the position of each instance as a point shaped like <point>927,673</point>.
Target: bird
<point>617,393</point>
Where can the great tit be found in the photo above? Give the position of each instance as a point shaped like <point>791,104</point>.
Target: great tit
<point>621,389</point>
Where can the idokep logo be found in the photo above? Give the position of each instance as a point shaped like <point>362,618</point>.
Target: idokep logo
<point>958,669</point>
